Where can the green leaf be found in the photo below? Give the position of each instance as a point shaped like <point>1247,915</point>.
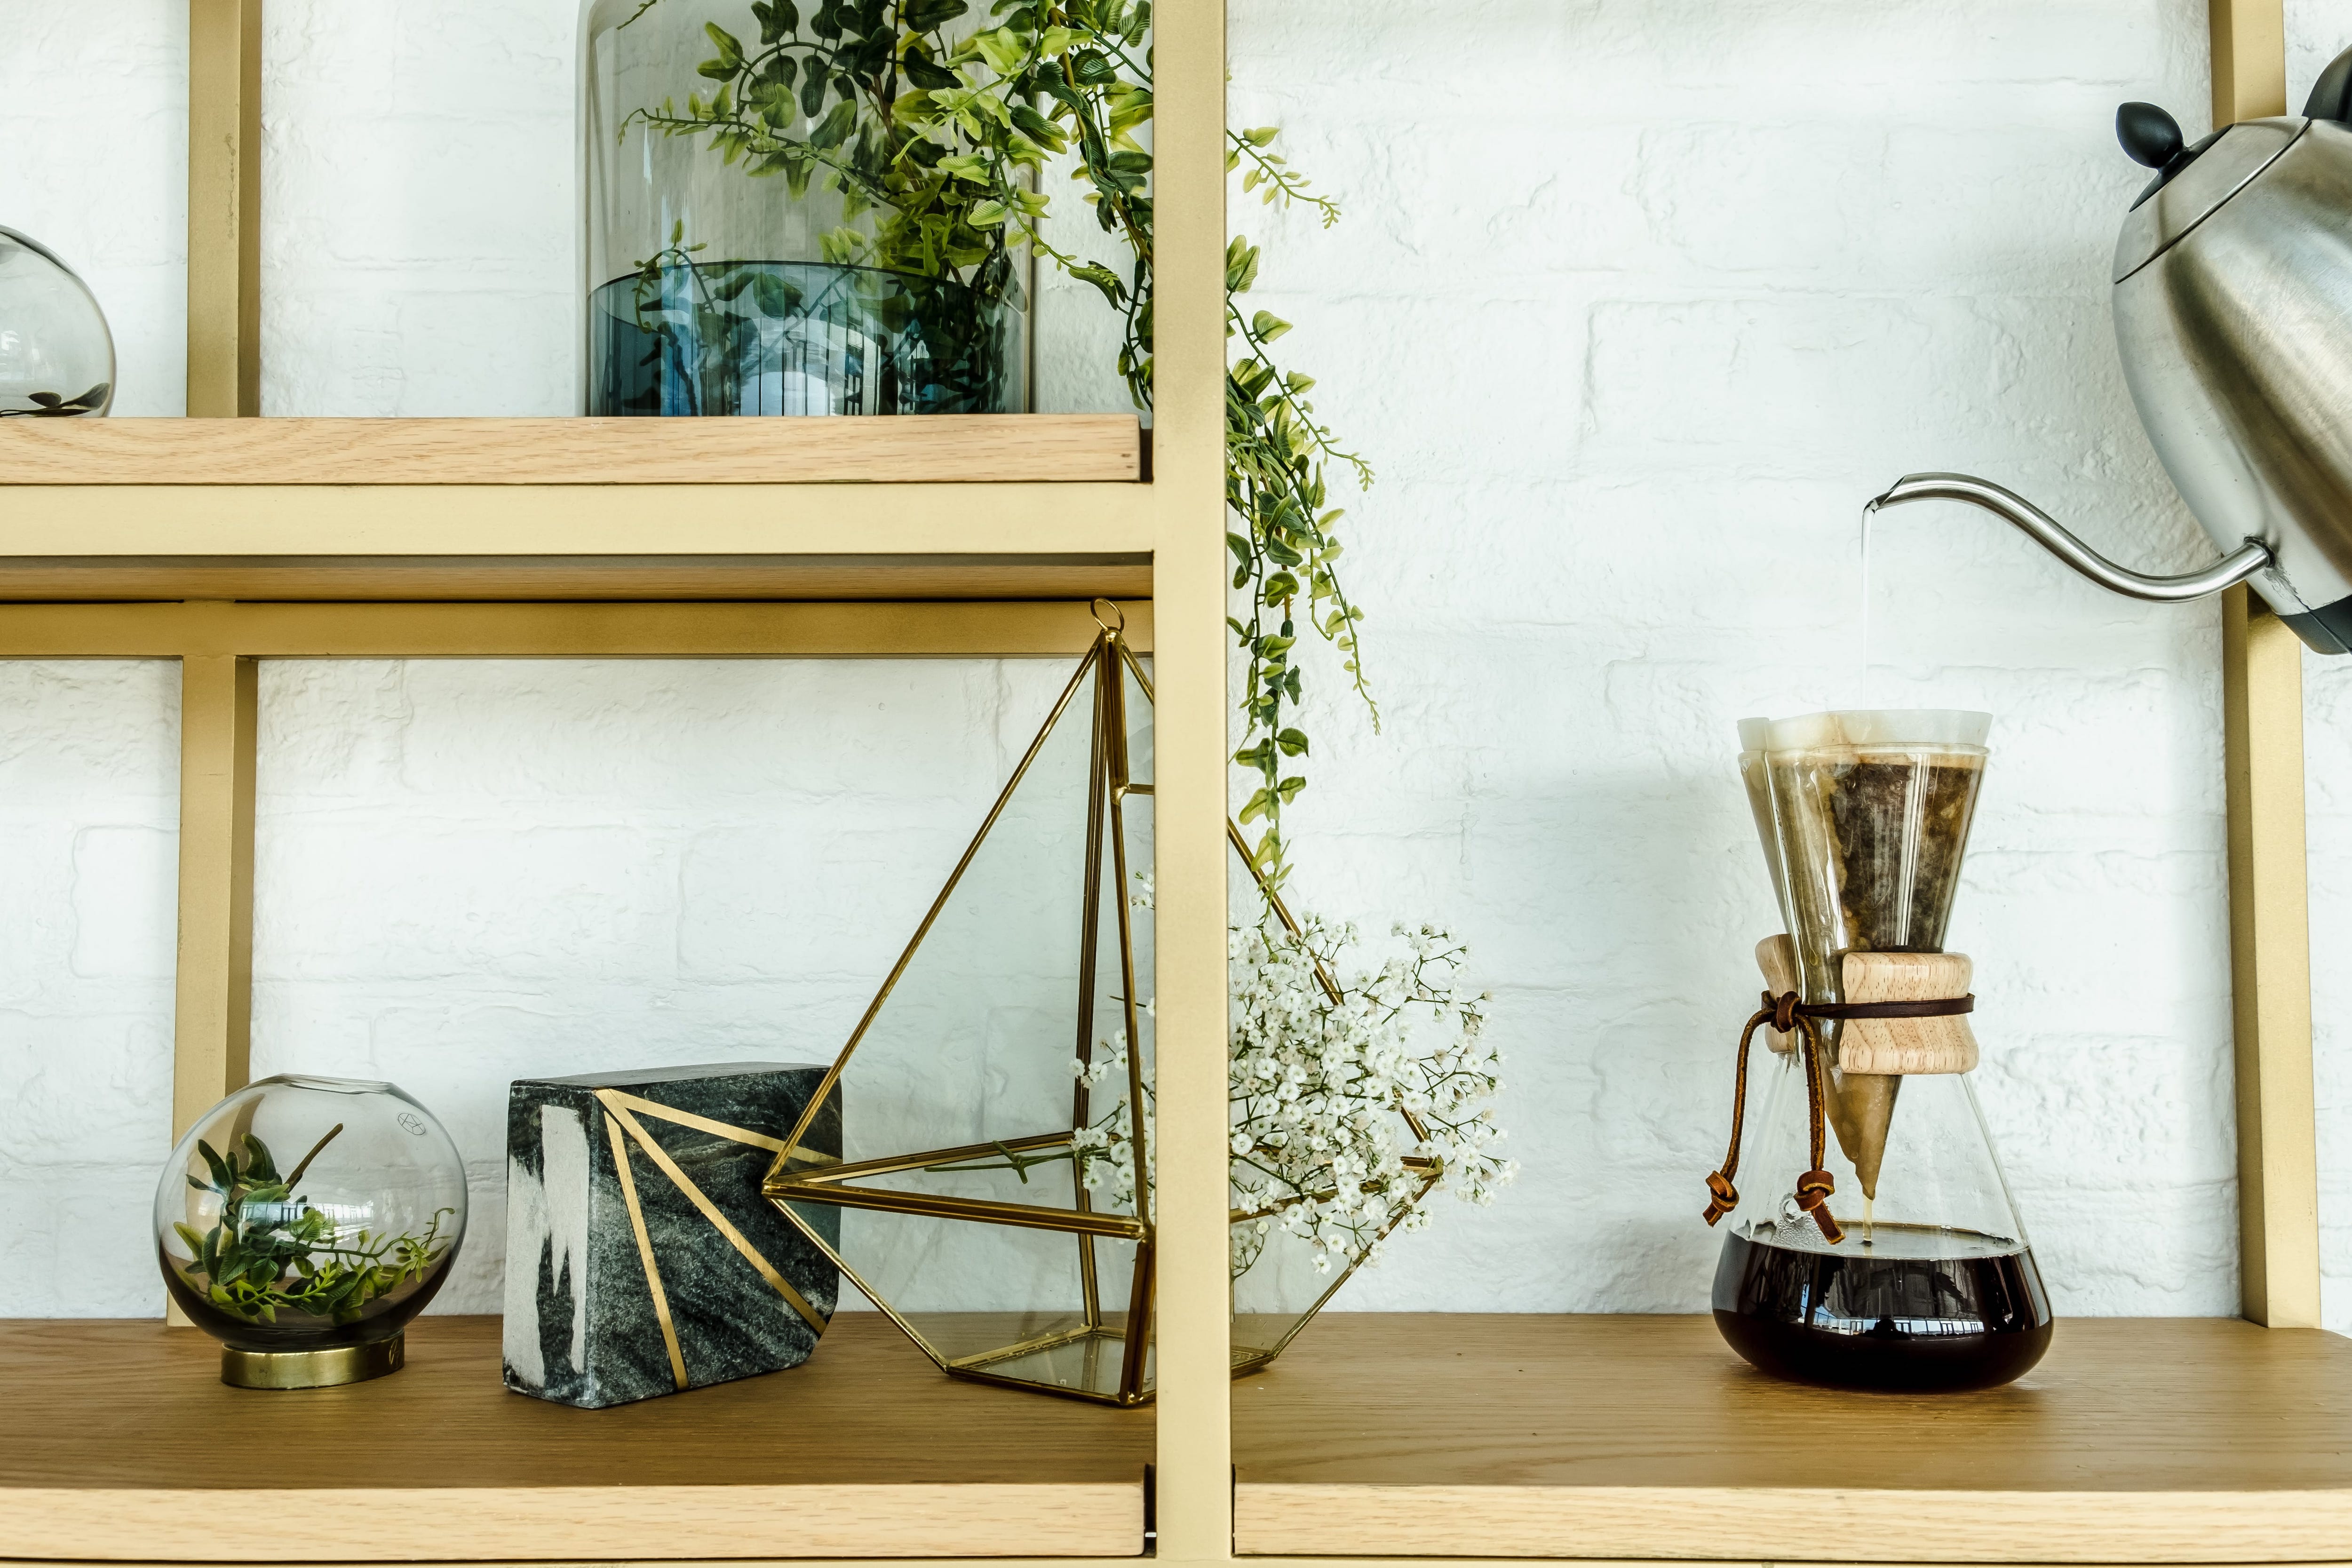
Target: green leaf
<point>928,73</point>
<point>1103,278</point>
<point>834,127</point>
<point>1038,129</point>
<point>1241,266</point>
<point>924,16</point>
<point>1293,743</point>
<point>1268,326</point>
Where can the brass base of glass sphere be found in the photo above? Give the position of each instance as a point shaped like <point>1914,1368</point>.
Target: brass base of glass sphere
<point>314,1369</point>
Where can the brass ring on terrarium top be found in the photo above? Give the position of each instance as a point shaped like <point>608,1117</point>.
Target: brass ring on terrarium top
<point>1113,626</point>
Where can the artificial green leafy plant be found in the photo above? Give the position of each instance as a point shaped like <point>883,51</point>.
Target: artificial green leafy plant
<point>947,118</point>
<point>273,1251</point>
<point>941,119</point>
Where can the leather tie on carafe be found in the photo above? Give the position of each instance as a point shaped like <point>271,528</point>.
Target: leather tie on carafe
<point>1786,1012</point>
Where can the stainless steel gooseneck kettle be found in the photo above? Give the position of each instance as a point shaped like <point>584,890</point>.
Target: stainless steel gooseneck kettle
<point>2233,315</point>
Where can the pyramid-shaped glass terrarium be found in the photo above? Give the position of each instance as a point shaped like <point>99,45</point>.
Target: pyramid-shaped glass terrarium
<point>994,1193</point>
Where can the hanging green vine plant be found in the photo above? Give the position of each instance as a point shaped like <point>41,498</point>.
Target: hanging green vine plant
<point>948,123</point>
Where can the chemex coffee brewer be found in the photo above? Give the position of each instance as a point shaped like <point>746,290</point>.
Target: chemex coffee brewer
<point>1878,1247</point>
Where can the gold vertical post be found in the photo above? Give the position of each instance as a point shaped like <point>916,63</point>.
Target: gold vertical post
<point>223,208</point>
<point>1194,1467</point>
<point>2269,968</point>
<point>2248,41</point>
<point>211,1035</point>
<point>2270,930</point>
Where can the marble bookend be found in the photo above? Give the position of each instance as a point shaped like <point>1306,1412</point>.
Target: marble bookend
<point>581,1326</point>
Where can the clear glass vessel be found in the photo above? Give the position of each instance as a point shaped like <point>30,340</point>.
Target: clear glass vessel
<point>304,1221</point>
<point>56,357</point>
<point>1929,1281</point>
<point>752,242</point>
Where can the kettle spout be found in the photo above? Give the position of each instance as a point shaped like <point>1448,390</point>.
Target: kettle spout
<point>2240,563</point>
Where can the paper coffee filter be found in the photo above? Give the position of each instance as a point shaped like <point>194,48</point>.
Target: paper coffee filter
<point>1753,777</point>
<point>1943,726</point>
<point>1828,791</point>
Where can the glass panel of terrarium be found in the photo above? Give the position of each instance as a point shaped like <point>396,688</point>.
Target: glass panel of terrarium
<point>1071,1352</point>
<point>970,1049</point>
<point>962,1079</point>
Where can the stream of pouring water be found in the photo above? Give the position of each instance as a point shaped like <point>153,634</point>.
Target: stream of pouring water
<point>1867,514</point>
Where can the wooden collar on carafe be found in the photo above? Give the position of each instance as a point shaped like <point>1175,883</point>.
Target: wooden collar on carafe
<point>1906,1013</point>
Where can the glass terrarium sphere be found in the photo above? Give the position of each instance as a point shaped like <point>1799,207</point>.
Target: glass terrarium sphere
<point>310,1217</point>
<point>55,356</point>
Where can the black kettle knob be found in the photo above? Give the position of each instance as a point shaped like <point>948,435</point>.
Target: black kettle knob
<point>2150,135</point>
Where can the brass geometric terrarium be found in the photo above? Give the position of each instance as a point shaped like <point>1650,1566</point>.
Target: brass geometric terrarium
<point>993,1194</point>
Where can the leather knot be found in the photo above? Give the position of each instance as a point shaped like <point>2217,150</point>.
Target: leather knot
<point>1724,1197</point>
<point>1784,1011</point>
<point>1813,1190</point>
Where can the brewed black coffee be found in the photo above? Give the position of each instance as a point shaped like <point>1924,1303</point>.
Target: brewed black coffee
<point>1890,1308</point>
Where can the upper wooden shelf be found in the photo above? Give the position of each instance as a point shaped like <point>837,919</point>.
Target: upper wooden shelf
<point>2136,1440</point>
<point>139,1452</point>
<point>981,507</point>
<point>1060,448</point>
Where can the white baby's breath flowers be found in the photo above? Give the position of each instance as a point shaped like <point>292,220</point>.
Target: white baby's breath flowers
<point>1338,1078</point>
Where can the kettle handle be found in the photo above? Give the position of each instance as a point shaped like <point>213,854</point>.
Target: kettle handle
<point>2331,95</point>
<point>2232,569</point>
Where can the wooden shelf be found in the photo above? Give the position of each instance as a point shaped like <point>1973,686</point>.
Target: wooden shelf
<point>136,1451</point>
<point>946,448</point>
<point>503,510</point>
<point>2136,1440</point>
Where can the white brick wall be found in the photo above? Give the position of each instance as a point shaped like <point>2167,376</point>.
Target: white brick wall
<point>1633,307</point>
<point>89,800</point>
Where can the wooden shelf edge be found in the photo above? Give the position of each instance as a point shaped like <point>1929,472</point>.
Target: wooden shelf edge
<point>941,448</point>
<point>862,629</point>
<point>422,579</point>
<point>896,522</point>
<point>651,1523</point>
<point>1793,1523</point>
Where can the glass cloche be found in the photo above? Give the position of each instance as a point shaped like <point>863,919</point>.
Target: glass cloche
<point>765,236</point>
<point>55,356</point>
<point>304,1221</point>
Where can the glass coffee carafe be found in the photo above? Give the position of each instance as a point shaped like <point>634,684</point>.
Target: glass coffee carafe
<point>1880,1248</point>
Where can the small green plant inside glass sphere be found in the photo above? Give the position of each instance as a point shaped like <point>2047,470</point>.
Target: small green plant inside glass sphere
<point>272,1249</point>
<point>338,1248</point>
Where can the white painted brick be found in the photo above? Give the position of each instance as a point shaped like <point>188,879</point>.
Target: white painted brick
<point>124,920</point>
